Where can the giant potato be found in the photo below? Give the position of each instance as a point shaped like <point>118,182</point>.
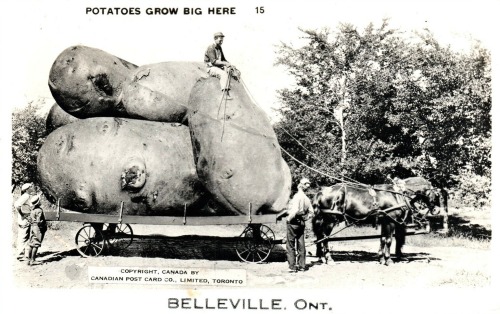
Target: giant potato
<point>237,155</point>
<point>160,91</point>
<point>281,202</point>
<point>236,152</point>
<point>57,117</point>
<point>87,82</point>
<point>94,164</point>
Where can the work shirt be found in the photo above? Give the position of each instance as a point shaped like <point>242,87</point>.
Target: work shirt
<point>38,227</point>
<point>213,53</point>
<point>22,200</point>
<point>38,218</point>
<point>300,206</point>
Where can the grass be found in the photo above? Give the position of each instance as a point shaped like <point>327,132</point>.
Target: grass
<point>456,240</point>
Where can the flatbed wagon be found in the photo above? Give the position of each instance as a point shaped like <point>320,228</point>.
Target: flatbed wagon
<point>99,231</point>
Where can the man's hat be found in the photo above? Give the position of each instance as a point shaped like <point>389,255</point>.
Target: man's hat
<point>35,200</point>
<point>25,187</point>
<point>218,34</point>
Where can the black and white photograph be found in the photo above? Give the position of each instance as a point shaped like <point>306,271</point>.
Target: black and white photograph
<point>277,156</point>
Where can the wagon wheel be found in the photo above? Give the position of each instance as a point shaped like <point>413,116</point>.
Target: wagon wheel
<point>255,244</point>
<point>89,241</point>
<point>119,236</point>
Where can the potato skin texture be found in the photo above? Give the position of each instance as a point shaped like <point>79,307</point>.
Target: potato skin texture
<point>236,151</point>
<point>92,165</point>
<point>87,82</point>
<point>160,91</point>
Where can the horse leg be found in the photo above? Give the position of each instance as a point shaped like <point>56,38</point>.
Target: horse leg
<point>400,241</point>
<point>387,254</point>
<point>326,248</point>
<point>317,226</point>
<point>326,252</point>
<point>319,251</point>
<point>381,250</point>
<point>384,252</point>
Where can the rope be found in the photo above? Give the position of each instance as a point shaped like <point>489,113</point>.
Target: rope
<point>249,93</point>
<point>308,167</point>
<point>241,127</point>
<point>344,178</point>
<point>229,72</point>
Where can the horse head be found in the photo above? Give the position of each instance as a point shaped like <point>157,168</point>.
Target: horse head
<point>432,198</point>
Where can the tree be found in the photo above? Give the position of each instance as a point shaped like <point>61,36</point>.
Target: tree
<point>28,135</point>
<point>405,105</point>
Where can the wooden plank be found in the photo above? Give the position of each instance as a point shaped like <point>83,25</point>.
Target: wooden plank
<point>160,220</point>
<point>81,217</point>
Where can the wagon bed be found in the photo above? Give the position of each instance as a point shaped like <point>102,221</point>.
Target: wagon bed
<point>100,231</point>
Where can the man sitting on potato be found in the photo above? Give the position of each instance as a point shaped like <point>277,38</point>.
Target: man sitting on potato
<point>218,66</point>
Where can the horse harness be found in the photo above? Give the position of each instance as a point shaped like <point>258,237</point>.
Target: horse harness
<point>375,207</point>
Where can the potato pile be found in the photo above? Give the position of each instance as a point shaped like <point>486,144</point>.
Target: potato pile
<point>158,138</point>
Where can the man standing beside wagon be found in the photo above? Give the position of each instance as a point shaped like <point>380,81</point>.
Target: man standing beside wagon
<point>299,211</point>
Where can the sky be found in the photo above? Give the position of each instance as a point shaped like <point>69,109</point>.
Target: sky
<point>34,33</point>
<point>49,27</point>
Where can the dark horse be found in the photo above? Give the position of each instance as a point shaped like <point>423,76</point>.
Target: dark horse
<point>385,204</point>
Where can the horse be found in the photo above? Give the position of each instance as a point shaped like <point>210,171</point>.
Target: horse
<point>384,204</point>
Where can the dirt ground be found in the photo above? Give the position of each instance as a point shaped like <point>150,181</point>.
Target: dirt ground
<point>355,262</point>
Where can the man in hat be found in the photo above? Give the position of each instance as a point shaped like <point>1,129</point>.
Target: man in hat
<point>217,64</point>
<point>299,211</point>
<point>22,207</point>
<point>38,229</point>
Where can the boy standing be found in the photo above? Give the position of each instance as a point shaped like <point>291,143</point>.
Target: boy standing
<point>38,229</point>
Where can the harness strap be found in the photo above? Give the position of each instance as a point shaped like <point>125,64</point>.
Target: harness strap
<point>336,211</point>
<point>387,210</point>
<point>373,193</point>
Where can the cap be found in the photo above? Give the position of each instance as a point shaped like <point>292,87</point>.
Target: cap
<point>25,187</point>
<point>304,181</point>
<point>35,200</point>
<point>218,34</point>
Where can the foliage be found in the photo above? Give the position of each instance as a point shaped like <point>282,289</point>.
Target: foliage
<point>472,190</point>
<point>406,105</point>
<point>28,135</point>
